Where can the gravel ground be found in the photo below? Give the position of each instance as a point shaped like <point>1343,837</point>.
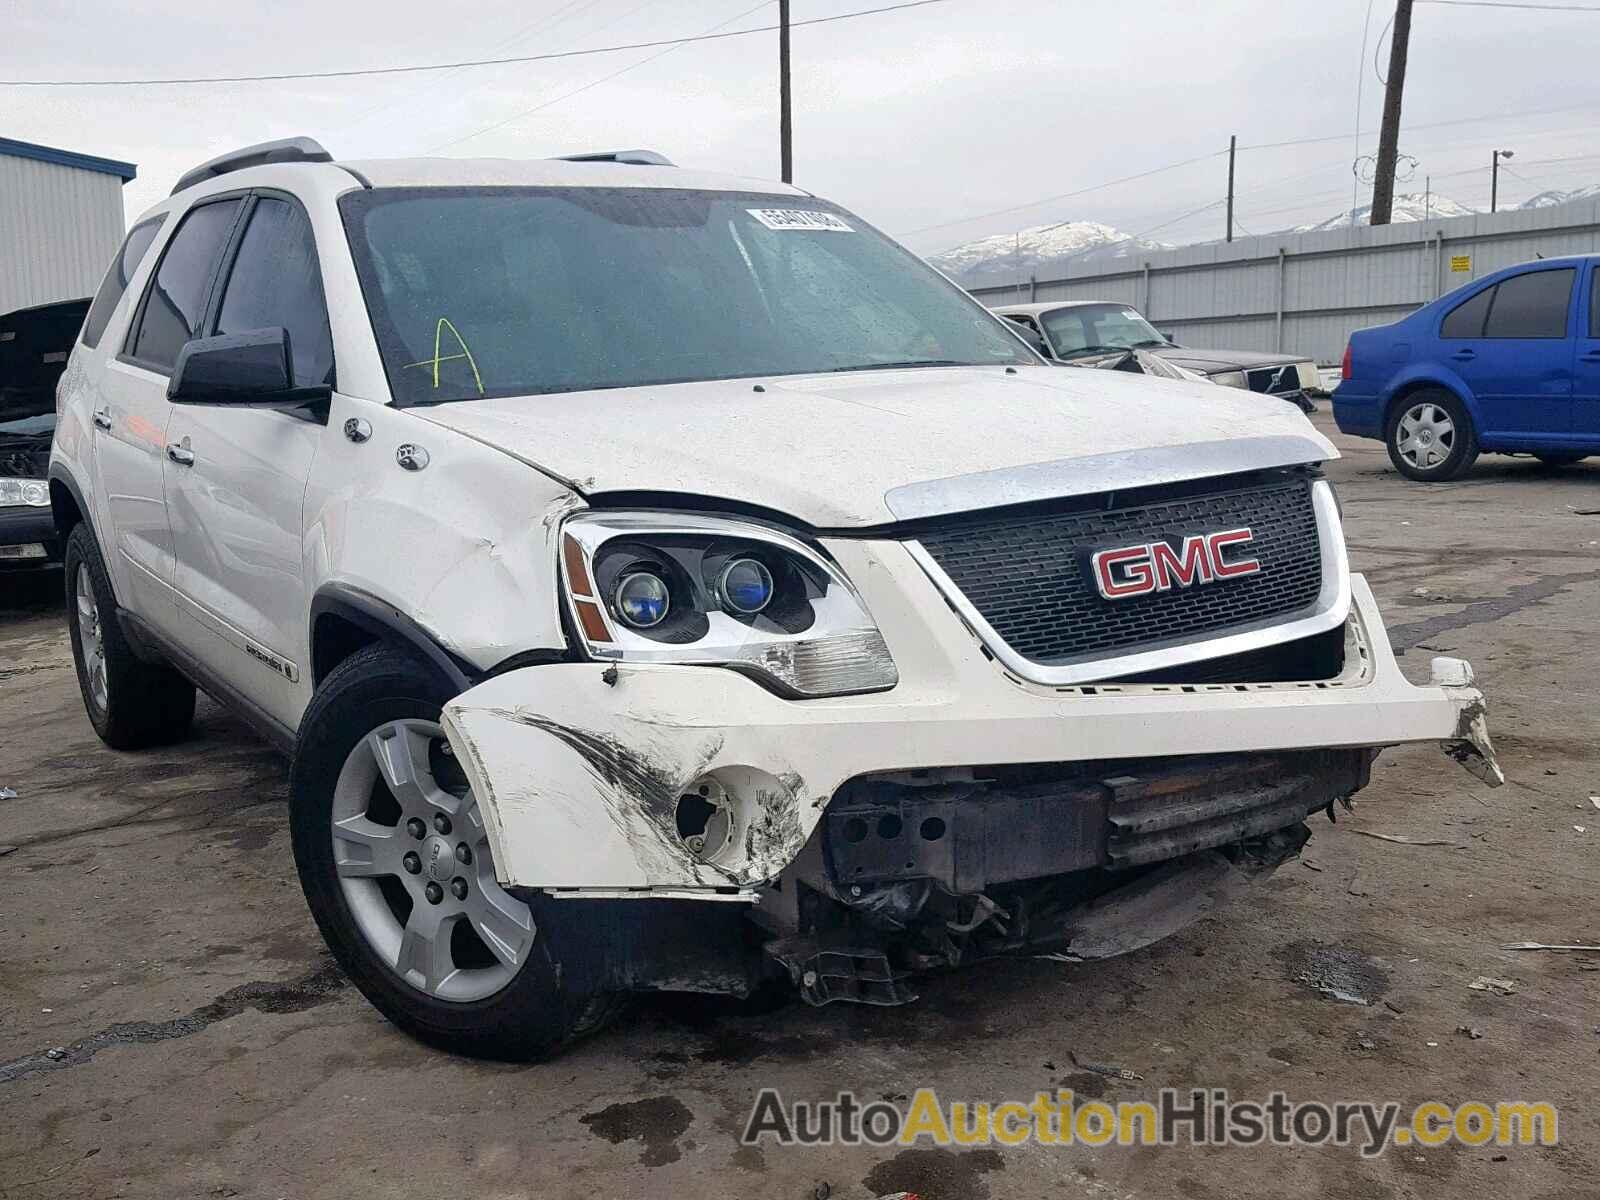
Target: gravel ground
<point>152,929</point>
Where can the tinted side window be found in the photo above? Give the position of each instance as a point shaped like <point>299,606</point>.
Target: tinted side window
<point>1594,303</point>
<point>275,282</point>
<point>1466,320</point>
<point>116,280</point>
<point>176,299</point>
<point>1531,306</point>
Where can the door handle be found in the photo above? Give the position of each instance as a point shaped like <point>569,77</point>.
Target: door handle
<point>1464,355</point>
<point>181,455</point>
<point>102,418</point>
<point>1590,356</point>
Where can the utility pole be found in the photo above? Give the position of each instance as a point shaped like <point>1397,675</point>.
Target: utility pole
<point>1389,132</point>
<point>1494,177</point>
<point>1233,149</point>
<point>785,117</point>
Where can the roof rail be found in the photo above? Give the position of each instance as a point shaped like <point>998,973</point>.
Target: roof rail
<point>284,150</point>
<point>638,158</point>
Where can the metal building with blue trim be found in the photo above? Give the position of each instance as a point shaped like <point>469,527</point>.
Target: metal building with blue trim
<point>61,221</point>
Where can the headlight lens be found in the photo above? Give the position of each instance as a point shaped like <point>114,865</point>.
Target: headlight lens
<point>1228,379</point>
<point>666,588</point>
<point>35,493</point>
<point>642,599</point>
<point>745,586</point>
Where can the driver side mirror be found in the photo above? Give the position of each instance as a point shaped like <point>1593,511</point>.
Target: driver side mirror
<point>1167,333</point>
<point>254,368</point>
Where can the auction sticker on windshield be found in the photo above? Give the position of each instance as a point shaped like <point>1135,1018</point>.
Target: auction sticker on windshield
<point>799,218</point>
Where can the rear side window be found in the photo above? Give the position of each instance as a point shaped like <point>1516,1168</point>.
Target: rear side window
<point>275,282</point>
<point>1532,305</point>
<point>176,299</point>
<point>1594,303</point>
<point>116,280</point>
<point>1466,320</point>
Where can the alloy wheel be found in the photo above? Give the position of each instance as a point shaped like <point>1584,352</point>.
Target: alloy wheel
<point>414,863</point>
<point>1425,436</point>
<point>91,640</point>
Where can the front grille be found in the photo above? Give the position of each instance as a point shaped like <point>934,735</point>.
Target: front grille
<point>1027,571</point>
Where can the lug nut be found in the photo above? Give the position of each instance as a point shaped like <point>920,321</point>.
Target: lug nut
<point>458,885</point>
<point>411,862</point>
<point>441,823</point>
<point>416,828</point>
<point>463,854</point>
<point>433,892</point>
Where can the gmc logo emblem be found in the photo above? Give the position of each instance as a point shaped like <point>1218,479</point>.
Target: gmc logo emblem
<point>1157,567</point>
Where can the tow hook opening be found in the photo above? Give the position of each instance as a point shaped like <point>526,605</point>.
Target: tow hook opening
<point>704,818</point>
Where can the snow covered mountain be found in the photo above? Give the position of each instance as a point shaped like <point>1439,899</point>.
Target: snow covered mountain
<point>1408,206</point>
<point>1043,250</point>
<point>1557,196</point>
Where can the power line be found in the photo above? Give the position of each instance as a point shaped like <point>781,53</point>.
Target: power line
<point>1339,137</point>
<point>1513,4</point>
<point>450,66</point>
<point>517,116</point>
<point>1000,212</point>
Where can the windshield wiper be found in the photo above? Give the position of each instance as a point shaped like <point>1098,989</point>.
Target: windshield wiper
<point>903,364</point>
<point>1151,342</point>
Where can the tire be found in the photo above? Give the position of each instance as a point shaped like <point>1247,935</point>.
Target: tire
<point>387,918</point>
<point>1431,420</point>
<point>1560,460</point>
<point>132,704</point>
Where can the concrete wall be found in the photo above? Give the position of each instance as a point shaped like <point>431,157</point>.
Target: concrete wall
<point>1306,292</point>
<point>59,228</point>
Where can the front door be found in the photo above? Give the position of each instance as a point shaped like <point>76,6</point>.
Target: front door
<point>236,502</point>
<point>131,414</point>
<point>1586,369</point>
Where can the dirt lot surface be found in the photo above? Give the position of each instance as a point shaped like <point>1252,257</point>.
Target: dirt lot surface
<point>152,932</point>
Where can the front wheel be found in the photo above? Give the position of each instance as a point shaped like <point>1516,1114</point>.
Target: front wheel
<point>1430,436</point>
<point>395,862</point>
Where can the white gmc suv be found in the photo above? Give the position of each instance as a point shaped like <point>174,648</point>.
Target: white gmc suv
<point>665,581</point>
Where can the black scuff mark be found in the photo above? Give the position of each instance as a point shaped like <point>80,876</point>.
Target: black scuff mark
<point>633,784</point>
<point>657,1121</point>
<point>1485,612</point>
<point>296,995</point>
<point>947,1174</point>
<point>774,835</point>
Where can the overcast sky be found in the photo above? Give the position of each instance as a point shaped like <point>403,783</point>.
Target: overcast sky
<point>919,118</point>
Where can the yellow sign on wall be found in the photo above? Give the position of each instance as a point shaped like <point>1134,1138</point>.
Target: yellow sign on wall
<point>1461,263</point>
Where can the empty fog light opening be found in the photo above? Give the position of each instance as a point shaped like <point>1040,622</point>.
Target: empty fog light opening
<point>704,817</point>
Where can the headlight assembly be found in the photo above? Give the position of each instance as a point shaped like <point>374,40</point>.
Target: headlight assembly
<point>35,493</point>
<point>670,588</point>
<point>1233,379</point>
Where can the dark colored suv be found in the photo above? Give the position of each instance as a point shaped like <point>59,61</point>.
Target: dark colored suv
<point>1508,364</point>
<point>34,346</point>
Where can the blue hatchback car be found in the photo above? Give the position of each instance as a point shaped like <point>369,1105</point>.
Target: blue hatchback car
<point>1508,364</point>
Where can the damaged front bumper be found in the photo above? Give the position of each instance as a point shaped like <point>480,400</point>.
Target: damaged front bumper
<point>582,769</point>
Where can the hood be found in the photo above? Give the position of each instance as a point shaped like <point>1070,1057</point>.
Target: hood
<point>834,451</point>
<point>1209,362</point>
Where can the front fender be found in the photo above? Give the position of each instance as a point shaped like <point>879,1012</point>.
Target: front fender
<point>464,547</point>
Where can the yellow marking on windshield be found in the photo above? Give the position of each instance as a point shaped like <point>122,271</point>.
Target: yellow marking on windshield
<point>438,337</point>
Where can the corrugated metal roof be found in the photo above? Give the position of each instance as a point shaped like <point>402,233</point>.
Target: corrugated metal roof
<point>68,158</point>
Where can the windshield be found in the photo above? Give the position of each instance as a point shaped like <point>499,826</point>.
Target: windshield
<point>503,292</point>
<point>1095,328</point>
